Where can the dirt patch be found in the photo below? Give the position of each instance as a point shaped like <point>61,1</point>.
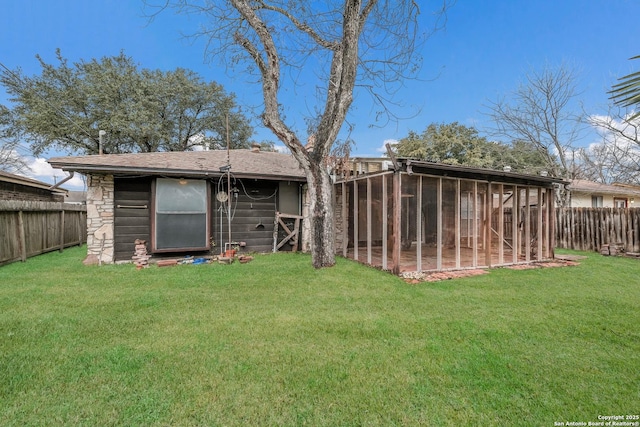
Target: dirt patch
<point>414,278</point>
<point>569,257</point>
<point>543,264</point>
<point>417,277</point>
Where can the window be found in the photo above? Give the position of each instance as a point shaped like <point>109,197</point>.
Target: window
<point>596,201</point>
<point>619,202</point>
<point>181,220</point>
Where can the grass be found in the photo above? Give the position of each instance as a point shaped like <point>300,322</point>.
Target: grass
<point>275,342</point>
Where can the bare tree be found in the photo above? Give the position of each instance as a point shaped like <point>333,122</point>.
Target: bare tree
<point>541,112</point>
<point>10,159</point>
<point>617,157</point>
<point>343,44</point>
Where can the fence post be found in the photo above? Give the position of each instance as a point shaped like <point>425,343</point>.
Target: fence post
<point>23,241</point>
<point>61,230</point>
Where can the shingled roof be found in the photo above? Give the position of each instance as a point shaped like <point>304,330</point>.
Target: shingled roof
<point>244,163</point>
<point>28,182</point>
<point>584,186</point>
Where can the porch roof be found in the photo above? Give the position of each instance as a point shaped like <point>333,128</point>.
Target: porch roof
<point>196,164</point>
<point>481,174</point>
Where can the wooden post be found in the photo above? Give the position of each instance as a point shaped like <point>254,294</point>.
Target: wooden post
<point>515,218</point>
<point>488,206</point>
<point>396,217</point>
<point>458,219</point>
<point>356,219</point>
<point>551,201</point>
<point>21,235</point>
<point>385,226</point>
<point>61,230</point>
<point>439,227</point>
<point>474,227</point>
<point>540,234</point>
<point>500,224</point>
<point>369,221</point>
<point>419,225</point>
<point>636,230</point>
<point>527,225</point>
<point>345,219</point>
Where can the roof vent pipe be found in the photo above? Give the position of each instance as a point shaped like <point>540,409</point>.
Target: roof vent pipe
<point>101,134</point>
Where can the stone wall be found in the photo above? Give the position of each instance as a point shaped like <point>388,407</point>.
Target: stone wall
<point>100,219</point>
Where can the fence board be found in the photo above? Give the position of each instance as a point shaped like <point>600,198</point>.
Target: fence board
<point>30,228</point>
<point>588,229</point>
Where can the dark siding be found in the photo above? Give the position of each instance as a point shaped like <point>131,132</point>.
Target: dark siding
<point>253,216</point>
<point>131,223</point>
<point>253,212</point>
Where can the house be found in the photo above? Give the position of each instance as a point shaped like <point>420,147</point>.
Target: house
<point>589,194</point>
<point>185,202</point>
<point>421,216</point>
<point>16,187</point>
<point>404,216</point>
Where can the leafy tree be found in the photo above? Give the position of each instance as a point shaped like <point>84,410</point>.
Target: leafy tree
<point>627,92</point>
<point>450,143</point>
<point>523,157</point>
<point>457,144</point>
<point>342,44</point>
<point>141,110</point>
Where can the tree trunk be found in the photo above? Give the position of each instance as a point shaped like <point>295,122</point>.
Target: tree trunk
<point>321,206</point>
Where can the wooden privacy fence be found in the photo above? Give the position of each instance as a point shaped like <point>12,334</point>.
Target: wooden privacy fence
<point>29,228</point>
<point>588,229</point>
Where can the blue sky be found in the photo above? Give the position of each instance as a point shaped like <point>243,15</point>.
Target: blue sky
<point>483,53</point>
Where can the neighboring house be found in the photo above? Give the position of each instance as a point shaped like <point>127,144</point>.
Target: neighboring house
<point>589,194</point>
<point>76,198</point>
<point>181,202</point>
<point>423,216</point>
<point>16,187</point>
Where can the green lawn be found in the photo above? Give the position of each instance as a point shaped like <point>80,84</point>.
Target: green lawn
<point>275,342</point>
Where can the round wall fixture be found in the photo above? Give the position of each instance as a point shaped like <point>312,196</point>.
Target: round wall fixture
<point>222,196</point>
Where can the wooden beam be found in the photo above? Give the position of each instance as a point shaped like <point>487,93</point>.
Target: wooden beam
<point>474,227</point>
<point>385,226</point>
<point>515,214</point>
<point>501,224</point>
<point>439,227</point>
<point>551,201</point>
<point>396,217</point>
<point>419,225</point>
<point>527,225</point>
<point>540,234</point>
<point>458,214</point>
<point>369,221</point>
<point>345,219</point>
<point>488,205</point>
<point>356,219</point>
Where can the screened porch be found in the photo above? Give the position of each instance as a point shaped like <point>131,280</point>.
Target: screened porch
<point>431,217</point>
